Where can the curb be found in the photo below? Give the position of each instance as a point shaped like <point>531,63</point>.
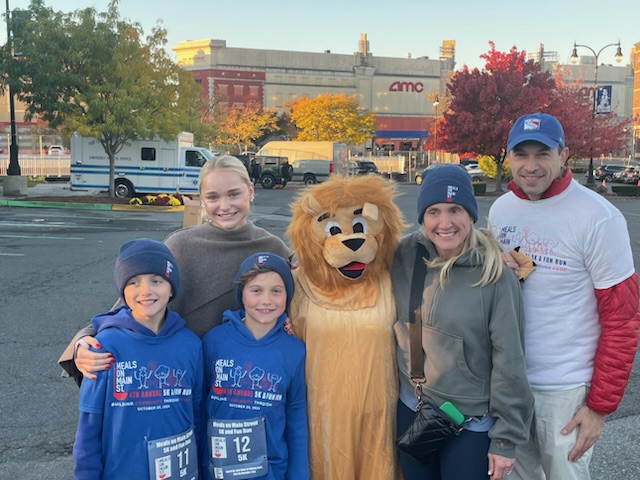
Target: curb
<point>89,206</point>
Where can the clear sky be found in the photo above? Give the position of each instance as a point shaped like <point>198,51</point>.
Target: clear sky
<point>393,28</point>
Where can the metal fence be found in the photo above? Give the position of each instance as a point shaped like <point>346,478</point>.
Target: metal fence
<point>39,166</point>
<point>404,165</point>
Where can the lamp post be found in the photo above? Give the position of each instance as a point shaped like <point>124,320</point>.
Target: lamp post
<point>574,59</point>
<point>14,166</point>
<point>435,128</point>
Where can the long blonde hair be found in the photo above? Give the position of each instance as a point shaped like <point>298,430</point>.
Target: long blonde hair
<point>485,250</point>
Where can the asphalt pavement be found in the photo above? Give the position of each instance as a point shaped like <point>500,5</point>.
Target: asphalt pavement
<point>616,454</point>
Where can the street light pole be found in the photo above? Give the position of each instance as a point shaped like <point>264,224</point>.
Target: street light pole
<point>574,59</point>
<point>435,128</point>
<point>14,166</point>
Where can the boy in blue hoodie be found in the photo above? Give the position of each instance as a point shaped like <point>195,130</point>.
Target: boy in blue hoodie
<point>140,418</point>
<point>254,370</point>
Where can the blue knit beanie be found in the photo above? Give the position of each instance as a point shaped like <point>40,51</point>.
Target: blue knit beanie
<point>145,256</point>
<point>266,261</point>
<point>448,183</point>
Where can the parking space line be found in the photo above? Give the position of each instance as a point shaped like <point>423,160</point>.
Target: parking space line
<point>61,225</point>
<point>45,237</point>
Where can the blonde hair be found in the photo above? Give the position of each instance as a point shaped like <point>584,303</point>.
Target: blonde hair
<point>484,249</point>
<point>224,162</point>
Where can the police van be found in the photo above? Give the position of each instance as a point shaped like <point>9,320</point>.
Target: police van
<point>142,166</point>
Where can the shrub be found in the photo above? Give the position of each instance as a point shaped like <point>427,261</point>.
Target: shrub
<point>163,199</point>
<point>626,190</point>
<point>479,188</point>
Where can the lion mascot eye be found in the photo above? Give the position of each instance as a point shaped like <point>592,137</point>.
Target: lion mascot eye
<point>332,228</point>
<point>359,225</point>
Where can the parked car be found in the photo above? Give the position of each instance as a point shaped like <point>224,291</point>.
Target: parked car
<point>56,150</point>
<point>474,172</point>
<point>605,172</point>
<point>621,176</point>
<point>468,161</point>
<point>311,171</point>
<point>270,170</point>
<point>361,167</point>
<point>634,176</point>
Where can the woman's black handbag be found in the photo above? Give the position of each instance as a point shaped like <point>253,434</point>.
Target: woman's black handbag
<point>427,434</point>
<point>430,429</point>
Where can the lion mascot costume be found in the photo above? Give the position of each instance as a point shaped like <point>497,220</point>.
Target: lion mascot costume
<point>344,232</point>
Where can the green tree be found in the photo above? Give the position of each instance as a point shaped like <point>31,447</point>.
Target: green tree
<point>200,122</point>
<point>331,118</point>
<point>94,73</point>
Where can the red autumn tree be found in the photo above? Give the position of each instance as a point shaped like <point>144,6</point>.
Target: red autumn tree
<point>484,103</point>
<point>587,135</point>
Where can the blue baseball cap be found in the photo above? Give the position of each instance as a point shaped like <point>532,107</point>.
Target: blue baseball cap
<point>541,127</point>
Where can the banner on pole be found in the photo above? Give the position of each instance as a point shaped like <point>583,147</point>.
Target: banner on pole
<point>603,99</point>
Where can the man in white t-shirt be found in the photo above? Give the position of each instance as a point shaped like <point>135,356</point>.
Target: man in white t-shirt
<point>581,300</point>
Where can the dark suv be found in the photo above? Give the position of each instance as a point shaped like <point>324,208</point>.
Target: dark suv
<point>270,171</point>
<point>605,172</point>
<point>361,167</point>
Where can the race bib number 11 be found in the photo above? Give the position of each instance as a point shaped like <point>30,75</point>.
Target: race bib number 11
<point>175,456</point>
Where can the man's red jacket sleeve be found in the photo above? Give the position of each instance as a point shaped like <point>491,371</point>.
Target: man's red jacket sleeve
<point>617,345</point>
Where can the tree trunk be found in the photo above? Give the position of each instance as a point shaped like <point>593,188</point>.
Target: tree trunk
<point>112,174</point>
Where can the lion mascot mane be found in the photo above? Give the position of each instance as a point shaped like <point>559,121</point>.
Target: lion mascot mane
<point>344,232</point>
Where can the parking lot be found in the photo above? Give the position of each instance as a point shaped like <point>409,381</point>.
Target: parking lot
<point>57,272</point>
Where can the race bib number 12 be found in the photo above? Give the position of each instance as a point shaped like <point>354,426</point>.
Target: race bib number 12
<point>238,448</point>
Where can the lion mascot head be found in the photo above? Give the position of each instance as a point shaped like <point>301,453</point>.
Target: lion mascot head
<point>344,232</point>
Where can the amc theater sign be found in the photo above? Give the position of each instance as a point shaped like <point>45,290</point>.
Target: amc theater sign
<point>414,87</point>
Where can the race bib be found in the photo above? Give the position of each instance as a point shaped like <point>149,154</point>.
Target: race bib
<point>173,457</point>
<point>237,448</point>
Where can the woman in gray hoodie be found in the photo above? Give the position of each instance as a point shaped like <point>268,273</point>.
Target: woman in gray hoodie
<point>472,334</point>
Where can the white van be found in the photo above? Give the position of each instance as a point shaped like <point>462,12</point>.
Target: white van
<point>311,171</point>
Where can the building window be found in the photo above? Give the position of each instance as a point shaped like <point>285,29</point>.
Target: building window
<point>238,90</point>
<point>254,91</point>
<point>276,100</point>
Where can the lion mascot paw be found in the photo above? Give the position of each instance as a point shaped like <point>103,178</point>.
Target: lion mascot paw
<point>344,232</point>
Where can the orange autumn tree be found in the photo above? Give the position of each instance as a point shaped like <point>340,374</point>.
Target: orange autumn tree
<point>331,118</point>
<point>240,125</point>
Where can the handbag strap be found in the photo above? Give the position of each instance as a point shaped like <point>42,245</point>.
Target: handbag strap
<point>416,365</point>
